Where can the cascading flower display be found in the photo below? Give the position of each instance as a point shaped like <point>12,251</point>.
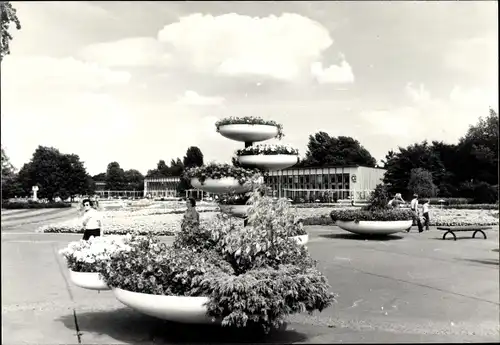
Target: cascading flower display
<point>268,149</point>
<point>250,120</point>
<point>218,171</point>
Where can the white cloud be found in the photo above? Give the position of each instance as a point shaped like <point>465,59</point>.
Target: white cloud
<point>341,74</point>
<point>430,118</point>
<point>193,98</point>
<point>233,44</point>
<point>45,71</point>
<point>134,51</point>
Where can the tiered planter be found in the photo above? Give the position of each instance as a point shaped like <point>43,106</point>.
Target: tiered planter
<point>375,227</point>
<point>239,211</point>
<point>88,280</point>
<point>248,133</point>
<point>224,185</point>
<point>184,309</point>
<point>269,162</point>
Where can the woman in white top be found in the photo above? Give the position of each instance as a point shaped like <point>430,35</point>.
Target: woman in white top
<point>91,220</point>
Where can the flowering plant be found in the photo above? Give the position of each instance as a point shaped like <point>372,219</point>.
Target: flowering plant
<point>267,149</point>
<point>235,200</point>
<point>250,120</point>
<point>357,215</point>
<point>93,255</point>
<point>218,171</point>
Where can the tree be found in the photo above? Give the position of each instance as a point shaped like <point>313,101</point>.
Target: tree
<point>193,158</point>
<point>176,167</point>
<point>134,180</point>
<point>115,177</point>
<point>10,183</point>
<point>400,165</point>
<point>101,177</point>
<point>8,16</point>
<point>54,173</point>
<point>340,151</point>
<point>7,168</point>
<point>421,183</point>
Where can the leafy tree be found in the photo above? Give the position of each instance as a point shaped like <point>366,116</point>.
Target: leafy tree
<point>176,167</point>
<point>8,16</point>
<point>193,157</point>
<point>399,166</point>
<point>7,168</point>
<point>326,150</point>
<point>101,177</point>
<point>10,184</point>
<point>115,177</point>
<point>54,173</point>
<point>134,179</point>
<point>421,183</point>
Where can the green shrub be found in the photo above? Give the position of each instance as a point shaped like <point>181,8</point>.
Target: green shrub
<point>374,215</point>
<point>34,205</point>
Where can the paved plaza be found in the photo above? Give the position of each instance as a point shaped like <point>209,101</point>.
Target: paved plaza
<point>407,288</point>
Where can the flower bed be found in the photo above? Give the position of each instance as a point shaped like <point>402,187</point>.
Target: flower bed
<point>267,149</point>
<point>218,171</point>
<point>249,120</point>
<point>34,205</point>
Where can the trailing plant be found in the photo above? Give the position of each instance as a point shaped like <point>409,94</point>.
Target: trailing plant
<point>239,199</point>
<point>373,215</point>
<point>250,120</point>
<point>218,171</point>
<point>267,149</point>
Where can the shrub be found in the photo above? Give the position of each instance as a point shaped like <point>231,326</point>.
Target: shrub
<point>250,120</point>
<point>374,215</point>
<point>379,198</point>
<point>485,193</point>
<point>34,205</point>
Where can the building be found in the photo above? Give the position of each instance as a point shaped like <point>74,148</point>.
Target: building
<point>312,183</point>
<point>161,187</point>
<point>102,192</point>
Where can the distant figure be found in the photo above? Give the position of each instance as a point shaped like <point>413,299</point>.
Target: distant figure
<point>425,211</point>
<point>191,216</point>
<point>92,221</point>
<point>396,201</point>
<point>414,209</point>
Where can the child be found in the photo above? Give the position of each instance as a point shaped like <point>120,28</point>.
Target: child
<point>425,211</point>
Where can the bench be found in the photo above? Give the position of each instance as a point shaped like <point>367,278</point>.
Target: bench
<point>453,229</point>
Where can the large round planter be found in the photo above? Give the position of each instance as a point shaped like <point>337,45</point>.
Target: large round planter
<point>224,185</point>
<point>375,227</point>
<point>236,210</point>
<point>248,133</point>
<point>88,280</point>
<point>183,309</point>
<point>301,240</point>
<point>269,162</point>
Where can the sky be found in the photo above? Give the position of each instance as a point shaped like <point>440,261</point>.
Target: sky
<point>136,82</point>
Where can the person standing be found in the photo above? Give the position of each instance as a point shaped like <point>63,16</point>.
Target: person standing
<point>191,217</point>
<point>414,210</point>
<point>92,221</point>
<point>425,211</point>
<point>396,201</point>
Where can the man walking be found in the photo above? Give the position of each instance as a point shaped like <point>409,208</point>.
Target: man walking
<point>414,210</point>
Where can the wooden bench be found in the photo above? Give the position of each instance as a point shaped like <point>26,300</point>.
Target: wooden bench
<point>453,229</point>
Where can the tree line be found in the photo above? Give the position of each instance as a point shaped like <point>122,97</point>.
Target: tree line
<point>467,169</point>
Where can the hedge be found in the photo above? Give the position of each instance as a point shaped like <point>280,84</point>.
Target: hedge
<point>34,205</point>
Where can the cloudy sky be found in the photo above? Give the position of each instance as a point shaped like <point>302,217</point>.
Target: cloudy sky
<point>136,82</point>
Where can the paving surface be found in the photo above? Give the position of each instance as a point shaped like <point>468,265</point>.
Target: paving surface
<point>406,288</point>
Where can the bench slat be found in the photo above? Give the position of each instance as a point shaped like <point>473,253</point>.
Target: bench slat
<point>463,228</point>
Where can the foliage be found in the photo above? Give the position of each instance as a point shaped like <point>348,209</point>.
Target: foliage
<point>115,177</point>
<point>421,183</point>
<point>8,16</point>
<point>340,151</point>
<point>134,180</point>
<point>454,167</point>
<point>10,184</point>
<point>379,198</point>
<point>485,193</point>
<point>267,149</point>
<point>238,199</point>
<point>55,174</point>
<point>33,205</point>
<point>373,215</point>
<point>250,120</point>
<point>193,157</point>
<point>218,171</point>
